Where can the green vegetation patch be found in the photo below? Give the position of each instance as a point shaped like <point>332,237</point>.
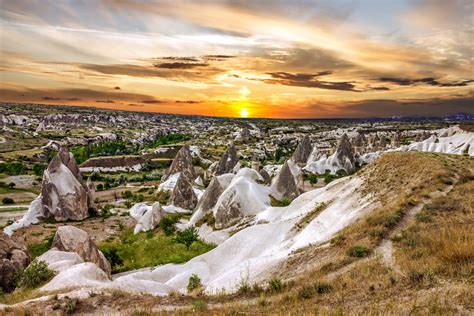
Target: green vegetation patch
<point>149,249</point>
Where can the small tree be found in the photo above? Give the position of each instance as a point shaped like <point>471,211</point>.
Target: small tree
<point>194,283</point>
<point>187,236</point>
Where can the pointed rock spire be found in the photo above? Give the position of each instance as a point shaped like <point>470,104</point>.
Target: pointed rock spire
<point>303,150</point>
<point>183,194</point>
<point>227,162</point>
<point>183,163</point>
<point>284,184</point>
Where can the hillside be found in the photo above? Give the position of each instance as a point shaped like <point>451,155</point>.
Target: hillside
<point>408,250</point>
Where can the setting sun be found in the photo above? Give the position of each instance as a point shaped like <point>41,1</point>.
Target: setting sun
<point>244,112</point>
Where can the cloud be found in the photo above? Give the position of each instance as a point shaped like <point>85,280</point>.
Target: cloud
<point>180,65</point>
<point>307,81</point>
<point>104,101</point>
<point>152,101</point>
<point>188,101</point>
<point>117,88</point>
<point>426,81</point>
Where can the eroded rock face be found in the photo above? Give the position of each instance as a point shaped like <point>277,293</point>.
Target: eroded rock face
<point>73,239</point>
<point>284,185</point>
<point>13,257</point>
<point>227,162</point>
<point>64,196</point>
<point>359,140</point>
<point>303,150</point>
<point>183,194</point>
<point>183,163</point>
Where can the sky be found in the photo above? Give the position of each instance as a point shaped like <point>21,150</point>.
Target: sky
<point>260,58</point>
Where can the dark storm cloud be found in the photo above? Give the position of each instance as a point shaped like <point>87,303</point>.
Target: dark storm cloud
<point>426,81</point>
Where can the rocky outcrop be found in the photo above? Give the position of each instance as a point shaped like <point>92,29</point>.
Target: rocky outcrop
<point>265,175</point>
<point>183,194</point>
<point>64,196</point>
<point>284,185</point>
<point>150,219</point>
<point>227,162</point>
<point>73,239</point>
<point>359,140</point>
<point>182,163</point>
<point>13,257</point>
<point>303,150</point>
<point>396,140</point>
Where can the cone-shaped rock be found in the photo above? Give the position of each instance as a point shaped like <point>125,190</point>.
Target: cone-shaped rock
<point>284,185</point>
<point>227,162</point>
<point>359,140</point>
<point>210,196</point>
<point>183,194</point>
<point>396,140</point>
<point>243,136</point>
<point>183,163</point>
<point>345,154</point>
<point>150,219</point>
<point>63,194</point>
<point>303,150</point>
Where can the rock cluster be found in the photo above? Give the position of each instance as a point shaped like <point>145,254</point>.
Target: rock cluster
<point>150,219</point>
<point>13,257</point>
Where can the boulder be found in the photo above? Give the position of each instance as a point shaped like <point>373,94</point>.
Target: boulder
<point>243,136</point>
<point>227,162</point>
<point>150,219</point>
<point>73,239</point>
<point>303,150</point>
<point>183,194</point>
<point>13,257</point>
<point>182,163</point>
<point>284,185</point>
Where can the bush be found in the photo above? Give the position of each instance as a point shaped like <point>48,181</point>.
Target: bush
<point>194,283</point>
<point>280,203</point>
<point>187,236</point>
<point>127,194</point>
<point>167,224</point>
<point>275,284</point>
<point>35,274</point>
<point>322,288</point>
<point>99,187</point>
<point>71,305</point>
<point>306,292</point>
<point>7,200</point>
<point>112,256</point>
<point>358,251</point>
<point>38,169</point>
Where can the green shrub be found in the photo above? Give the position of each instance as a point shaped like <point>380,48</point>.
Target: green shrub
<point>280,203</point>
<point>306,292</point>
<point>7,200</point>
<point>167,224</point>
<point>187,236</point>
<point>112,256</point>
<point>35,274</point>
<point>194,283</point>
<point>275,284</point>
<point>127,194</point>
<point>358,251</point>
<point>71,305</point>
<point>199,305</point>
<point>38,169</point>
<point>37,249</point>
